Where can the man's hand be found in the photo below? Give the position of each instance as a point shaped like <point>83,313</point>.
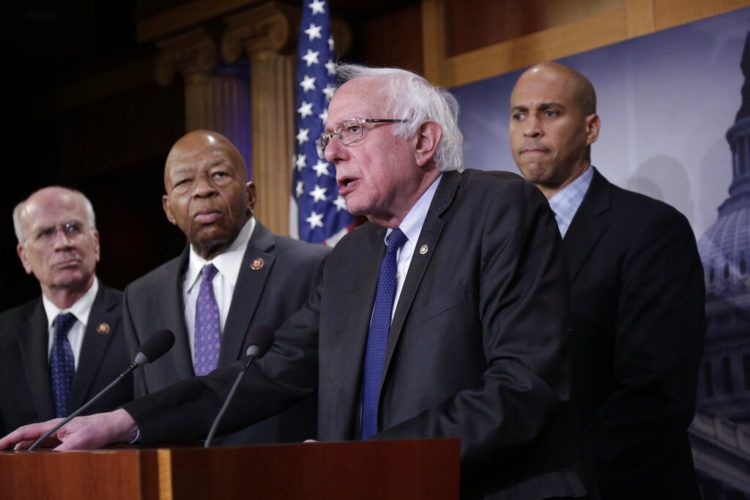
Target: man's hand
<point>81,433</point>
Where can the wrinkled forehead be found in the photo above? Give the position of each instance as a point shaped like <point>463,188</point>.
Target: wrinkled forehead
<point>51,211</point>
<point>182,160</point>
<point>360,98</point>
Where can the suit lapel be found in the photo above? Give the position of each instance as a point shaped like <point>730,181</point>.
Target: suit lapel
<point>351,335</point>
<point>34,342</point>
<point>428,238</point>
<point>247,293</point>
<point>588,225</point>
<point>179,364</point>
<point>94,347</point>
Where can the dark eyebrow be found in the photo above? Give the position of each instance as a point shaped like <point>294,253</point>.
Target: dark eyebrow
<point>547,105</point>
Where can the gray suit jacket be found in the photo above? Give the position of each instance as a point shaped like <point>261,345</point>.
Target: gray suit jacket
<point>262,297</point>
<point>25,391</point>
<point>478,347</point>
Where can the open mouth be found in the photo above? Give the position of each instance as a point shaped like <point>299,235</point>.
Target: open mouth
<point>346,184</point>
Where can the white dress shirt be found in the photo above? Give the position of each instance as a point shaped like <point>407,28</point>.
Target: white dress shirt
<point>81,310</point>
<point>411,226</point>
<point>228,264</point>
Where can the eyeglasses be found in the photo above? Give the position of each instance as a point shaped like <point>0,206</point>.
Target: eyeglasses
<point>349,132</point>
<point>71,230</point>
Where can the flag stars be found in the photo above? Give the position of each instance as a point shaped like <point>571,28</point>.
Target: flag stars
<point>301,161</point>
<point>303,136</point>
<point>307,83</point>
<point>315,220</point>
<point>330,43</point>
<point>313,32</point>
<point>319,193</point>
<point>305,109</point>
<point>323,116</point>
<point>317,7</point>
<point>340,203</point>
<point>329,91</point>
<point>311,57</point>
<point>321,168</point>
<point>300,189</point>
<point>331,67</point>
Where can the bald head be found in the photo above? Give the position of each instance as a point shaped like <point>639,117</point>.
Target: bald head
<point>573,83</point>
<point>207,193</point>
<point>25,210</point>
<point>552,125</point>
<point>199,141</point>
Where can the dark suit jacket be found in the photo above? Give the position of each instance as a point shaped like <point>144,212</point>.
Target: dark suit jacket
<point>478,347</point>
<point>262,297</point>
<point>639,323</point>
<point>25,391</point>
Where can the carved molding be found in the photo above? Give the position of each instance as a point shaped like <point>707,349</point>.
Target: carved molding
<point>272,27</point>
<point>193,54</point>
<point>268,28</point>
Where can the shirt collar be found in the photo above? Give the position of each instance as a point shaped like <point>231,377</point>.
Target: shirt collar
<point>412,224</point>
<point>81,309</point>
<point>227,262</point>
<point>565,202</point>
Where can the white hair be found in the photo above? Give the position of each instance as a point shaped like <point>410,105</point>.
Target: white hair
<point>18,224</point>
<point>411,97</point>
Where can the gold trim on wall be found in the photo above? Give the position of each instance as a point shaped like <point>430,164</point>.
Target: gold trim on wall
<point>634,18</point>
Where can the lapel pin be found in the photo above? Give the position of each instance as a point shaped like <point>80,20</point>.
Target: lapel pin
<point>424,249</point>
<point>102,329</point>
<point>256,264</point>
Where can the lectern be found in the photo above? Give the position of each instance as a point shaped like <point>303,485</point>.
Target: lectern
<point>413,469</point>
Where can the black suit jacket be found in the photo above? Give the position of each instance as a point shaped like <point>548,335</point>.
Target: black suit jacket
<point>478,347</point>
<point>639,323</point>
<point>25,391</point>
<point>262,297</point>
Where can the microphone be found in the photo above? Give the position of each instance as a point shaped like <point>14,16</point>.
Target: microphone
<point>154,348</point>
<point>259,340</point>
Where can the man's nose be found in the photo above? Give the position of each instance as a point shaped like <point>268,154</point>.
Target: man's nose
<point>62,239</point>
<point>532,127</point>
<point>334,150</point>
<point>204,186</point>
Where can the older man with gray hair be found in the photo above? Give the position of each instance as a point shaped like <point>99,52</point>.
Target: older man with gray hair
<point>60,349</point>
<point>443,316</point>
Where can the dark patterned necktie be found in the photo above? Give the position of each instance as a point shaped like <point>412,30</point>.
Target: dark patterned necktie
<point>62,364</point>
<point>377,338</point>
<point>207,324</point>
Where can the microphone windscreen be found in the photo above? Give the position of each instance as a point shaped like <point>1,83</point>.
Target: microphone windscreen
<point>156,346</point>
<point>258,341</point>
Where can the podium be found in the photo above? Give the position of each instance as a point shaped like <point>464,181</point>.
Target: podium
<point>414,469</point>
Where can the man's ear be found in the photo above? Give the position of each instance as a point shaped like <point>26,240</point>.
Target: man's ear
<point>252,196</point>
<point>592,128</point>
<point>21,250</point>
<point>167,209</point>
<point>428,137</point>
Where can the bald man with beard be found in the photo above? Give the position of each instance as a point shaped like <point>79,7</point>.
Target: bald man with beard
<point>260,278</point>
<point>637,303</point>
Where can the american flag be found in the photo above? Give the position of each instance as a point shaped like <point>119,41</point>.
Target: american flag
<point>318,213</point>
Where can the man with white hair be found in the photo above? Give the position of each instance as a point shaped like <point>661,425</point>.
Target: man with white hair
<point>60,349</point>
<point>443,316</point>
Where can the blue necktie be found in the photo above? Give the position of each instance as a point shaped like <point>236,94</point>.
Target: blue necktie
<point>377,338</point>
<point>207,325</point>
<point>62,364</point>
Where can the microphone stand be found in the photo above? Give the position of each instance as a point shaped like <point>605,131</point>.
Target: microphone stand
<point>252,354</point>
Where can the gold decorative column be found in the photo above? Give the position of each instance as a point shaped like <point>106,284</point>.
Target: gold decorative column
<point>266,35</point>
<point>216,97</point>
